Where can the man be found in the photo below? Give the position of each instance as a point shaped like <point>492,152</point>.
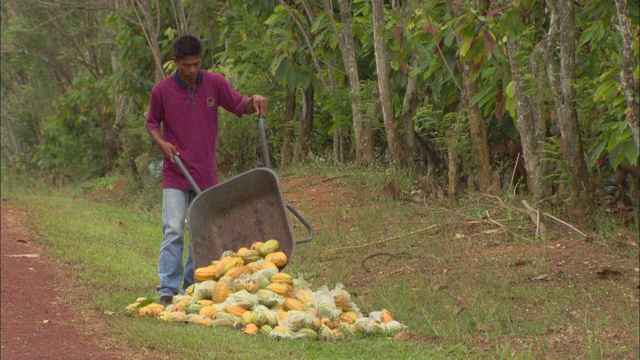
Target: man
<point>183,120</point>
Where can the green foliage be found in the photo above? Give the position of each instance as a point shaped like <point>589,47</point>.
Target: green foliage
<point>60,86</point>
<point>447,130</point>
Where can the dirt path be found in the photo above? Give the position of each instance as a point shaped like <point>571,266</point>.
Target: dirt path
<point>36,322</point>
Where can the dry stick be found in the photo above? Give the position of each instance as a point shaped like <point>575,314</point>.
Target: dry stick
<point>556,219</point>
<point>535,217</point>
<point>529,212</point>
<point>506,229</point>
<point>513,174</point>
<point>383,240</point>
<point>564,223</point>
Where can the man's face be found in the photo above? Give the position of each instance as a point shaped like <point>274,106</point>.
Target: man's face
<point>188,68</point>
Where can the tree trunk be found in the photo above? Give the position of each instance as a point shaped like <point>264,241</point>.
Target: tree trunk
<point>531,124</point>
<point>306,126</point>
<point>477,125</point>
<point>452,171</point>
<point>286,150</point>
<point>407,108</point>
<point>394,141</point>
<point>626,70</point>
<point>561,81</point>
<point>363,128</point>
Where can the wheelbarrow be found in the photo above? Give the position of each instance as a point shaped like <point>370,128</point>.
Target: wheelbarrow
<point>240,211</point>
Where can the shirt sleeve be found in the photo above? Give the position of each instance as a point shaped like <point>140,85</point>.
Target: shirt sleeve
<point>229,98</point>
<point>156,111</point>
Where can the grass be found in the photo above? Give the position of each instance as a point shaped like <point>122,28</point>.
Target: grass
<point>462,284</point>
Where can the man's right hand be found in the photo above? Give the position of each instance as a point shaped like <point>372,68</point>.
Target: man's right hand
<point>166,148</point>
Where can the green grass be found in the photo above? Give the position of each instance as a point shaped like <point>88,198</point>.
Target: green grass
<point>459,289</point>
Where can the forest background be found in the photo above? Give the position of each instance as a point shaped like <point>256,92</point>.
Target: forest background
<point>530,96</point>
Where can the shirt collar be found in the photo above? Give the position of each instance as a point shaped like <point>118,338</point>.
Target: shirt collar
<point>182,84</point>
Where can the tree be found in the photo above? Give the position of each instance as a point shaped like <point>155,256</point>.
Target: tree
<point>561,74</point>
<point>394,140</point>
<point>477,123</point>
<point>626,70</point>
<point>363,128</point>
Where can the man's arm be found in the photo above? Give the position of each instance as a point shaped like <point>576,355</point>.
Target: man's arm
<point>166,148</point>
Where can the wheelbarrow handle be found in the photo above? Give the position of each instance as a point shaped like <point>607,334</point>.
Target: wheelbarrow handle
<point>265,146</point>
<point>186,174</point>
<point>304,222</point>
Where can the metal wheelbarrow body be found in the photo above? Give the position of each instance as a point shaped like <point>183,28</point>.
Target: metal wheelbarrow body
<point>240,211</point>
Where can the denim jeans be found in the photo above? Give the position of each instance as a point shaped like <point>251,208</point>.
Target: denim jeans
<point>171,269</point>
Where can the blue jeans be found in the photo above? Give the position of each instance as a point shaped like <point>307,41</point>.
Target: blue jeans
<point>171,269</point>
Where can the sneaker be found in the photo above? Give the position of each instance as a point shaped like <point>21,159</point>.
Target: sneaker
<point>165,300</point>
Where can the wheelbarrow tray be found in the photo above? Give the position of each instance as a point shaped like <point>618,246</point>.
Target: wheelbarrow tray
<point>236,213</point>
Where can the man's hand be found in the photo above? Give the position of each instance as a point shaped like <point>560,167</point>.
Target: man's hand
<point>166,148</point>
<point>257,104</point>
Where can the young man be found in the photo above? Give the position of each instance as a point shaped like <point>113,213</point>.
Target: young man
<point>183,120</point>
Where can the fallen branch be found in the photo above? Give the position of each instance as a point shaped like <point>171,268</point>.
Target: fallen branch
<point>534,214</point>
<point>564,223</point>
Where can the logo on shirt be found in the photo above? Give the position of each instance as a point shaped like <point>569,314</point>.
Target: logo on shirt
<point>211,102</point>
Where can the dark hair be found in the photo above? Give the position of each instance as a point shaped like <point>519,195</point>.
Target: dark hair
<point>186,45</point>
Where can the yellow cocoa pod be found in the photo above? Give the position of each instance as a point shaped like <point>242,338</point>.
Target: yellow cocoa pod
<point>239,271</point>
<point>348,317</point>
<point>208,311</point>
<point>251,329</point>
<point>256,245</point>
<point>204,321</point>
<point>250,256</point>
<point>204,302</point>
<point>281,277</point>
<point>270,246</point>
<point>305,296</point>
<point>241,251</point>
<point>145,311</point>
<point>285,290</point>
<point>156,308</point>
<point>204,273</point>
<point>385,316</point>
<point>165,316</point>
<point>132,309</point>
<point>140,299</point>
<point>239,286</point>
<point>255,266</point>
<point>293,304</point>
<point>282,314</point>
<point>279,258</point>
<point>190,289</point>
<point>279,328</point>
<point>268,264</point>
<point>247,317</point>
<point>235,310</point>
<point>179,307</point>
<point>227,263</point>
<point>220,292</point>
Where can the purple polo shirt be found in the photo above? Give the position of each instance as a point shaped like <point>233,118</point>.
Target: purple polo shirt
<point>188,118</point>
